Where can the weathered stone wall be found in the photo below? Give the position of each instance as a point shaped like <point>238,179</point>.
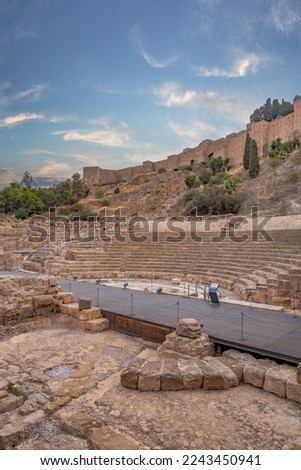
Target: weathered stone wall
<point>231,146</point>
<point>27,297</point>
<point>213,373</point>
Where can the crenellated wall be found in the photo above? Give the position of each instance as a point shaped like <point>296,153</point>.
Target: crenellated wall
<point>231,146</point>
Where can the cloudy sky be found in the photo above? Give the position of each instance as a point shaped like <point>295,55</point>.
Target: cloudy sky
<point>116,82</point>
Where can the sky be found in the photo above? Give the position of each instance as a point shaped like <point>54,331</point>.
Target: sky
<point>113,83</point>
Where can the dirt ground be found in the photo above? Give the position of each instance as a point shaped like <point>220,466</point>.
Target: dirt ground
<point>64,392</point>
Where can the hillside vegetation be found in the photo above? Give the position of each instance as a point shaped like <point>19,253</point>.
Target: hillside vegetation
<point>215,188</point>
<point>276,190</point>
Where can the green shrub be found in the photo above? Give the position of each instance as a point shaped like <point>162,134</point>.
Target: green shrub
<point>205,176</point>
<point>213,201</point>
<point>230,186</point>
<point>99,193</point>
<point>274,162</point>
<point>105,202</point>
<point>190,195</point>
<point>21,213</point>
<point>220,178</point>
<point>280,149</point>
<point>64,212</point>
<point>135,214</point>
<point>190,181</point>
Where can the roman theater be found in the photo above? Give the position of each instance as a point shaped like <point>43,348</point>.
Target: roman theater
<point>125,331</point>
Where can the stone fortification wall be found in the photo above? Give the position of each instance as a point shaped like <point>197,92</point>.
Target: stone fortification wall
<point>231,146</point>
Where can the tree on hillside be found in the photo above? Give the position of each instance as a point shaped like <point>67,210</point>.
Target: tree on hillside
<point>246,157</point>
<point>254,160</point>
<point>268,110</point>
<point>219,164</point>
<point>272,110</point>
<point>285,108</point>
<point>78,185</point>
<point>275,108</point>
<point>27,180</point>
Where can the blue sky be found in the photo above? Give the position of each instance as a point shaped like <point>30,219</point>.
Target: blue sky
<point>115,82</point>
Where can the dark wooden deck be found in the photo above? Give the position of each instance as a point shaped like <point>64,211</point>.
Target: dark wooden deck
<point>268,332</point>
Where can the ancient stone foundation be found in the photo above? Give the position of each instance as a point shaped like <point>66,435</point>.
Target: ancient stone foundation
<point>187,341</point>
<point>85,316</point>
<point>24,298</point>
<point>185,362</point>
<point>27,297</point>
<point>212,373</point>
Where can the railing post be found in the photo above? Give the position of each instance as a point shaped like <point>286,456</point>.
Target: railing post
<point>242,338</point>
<point>97,297</point>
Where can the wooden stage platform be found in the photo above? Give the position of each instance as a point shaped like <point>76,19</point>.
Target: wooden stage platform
<point>267,332</point>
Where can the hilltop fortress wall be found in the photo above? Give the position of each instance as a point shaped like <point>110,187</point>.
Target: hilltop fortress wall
<point>231,146</point>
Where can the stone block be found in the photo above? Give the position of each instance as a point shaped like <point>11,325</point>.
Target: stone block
<point>129,377</point>
<point>69,309</point>
<point>104,438</point>
<point>171,375</point>
<point>192,374</point>
<point>88,314</point>
<point>217,376</point>
<point>96,326</point>
<point>149,377</point>
<point>293,389</point>
<point>9,403</point>
<point>276,377</point>
<point>65,297</point>
<point>79,424</point>
<point>236,366</point>
<point>189,328</point>
<point>42,301</point>
<point>176,346</point>
<point>55,405</point>
<point>238,356</point>
<point>84,304</point>
<point>254,375</point>
<point>3,394</point>
<point>11,436</point>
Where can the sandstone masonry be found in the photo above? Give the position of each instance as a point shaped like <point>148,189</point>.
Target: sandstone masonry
<point>231,146</point>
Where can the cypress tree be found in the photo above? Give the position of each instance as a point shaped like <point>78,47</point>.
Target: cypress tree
<point>246,157</point>
<point>254,160</point>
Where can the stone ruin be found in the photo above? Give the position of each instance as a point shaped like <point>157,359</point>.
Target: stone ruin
<point>181,367</point>
<point>29,297</point>
<point>187,341</point>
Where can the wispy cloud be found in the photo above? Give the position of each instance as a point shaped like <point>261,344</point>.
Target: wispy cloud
<point>108,138</point>
<point>38,152</point>
<point>52,168</point>
<point>196,130</point>
<point>284,17</point>
<point>155,63</point>
<point>31,94</point>
<point>10,121</point>
<point>63,118</point>
<point>170,94</point>
<point>247,63</point>
<point>103,132</point>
